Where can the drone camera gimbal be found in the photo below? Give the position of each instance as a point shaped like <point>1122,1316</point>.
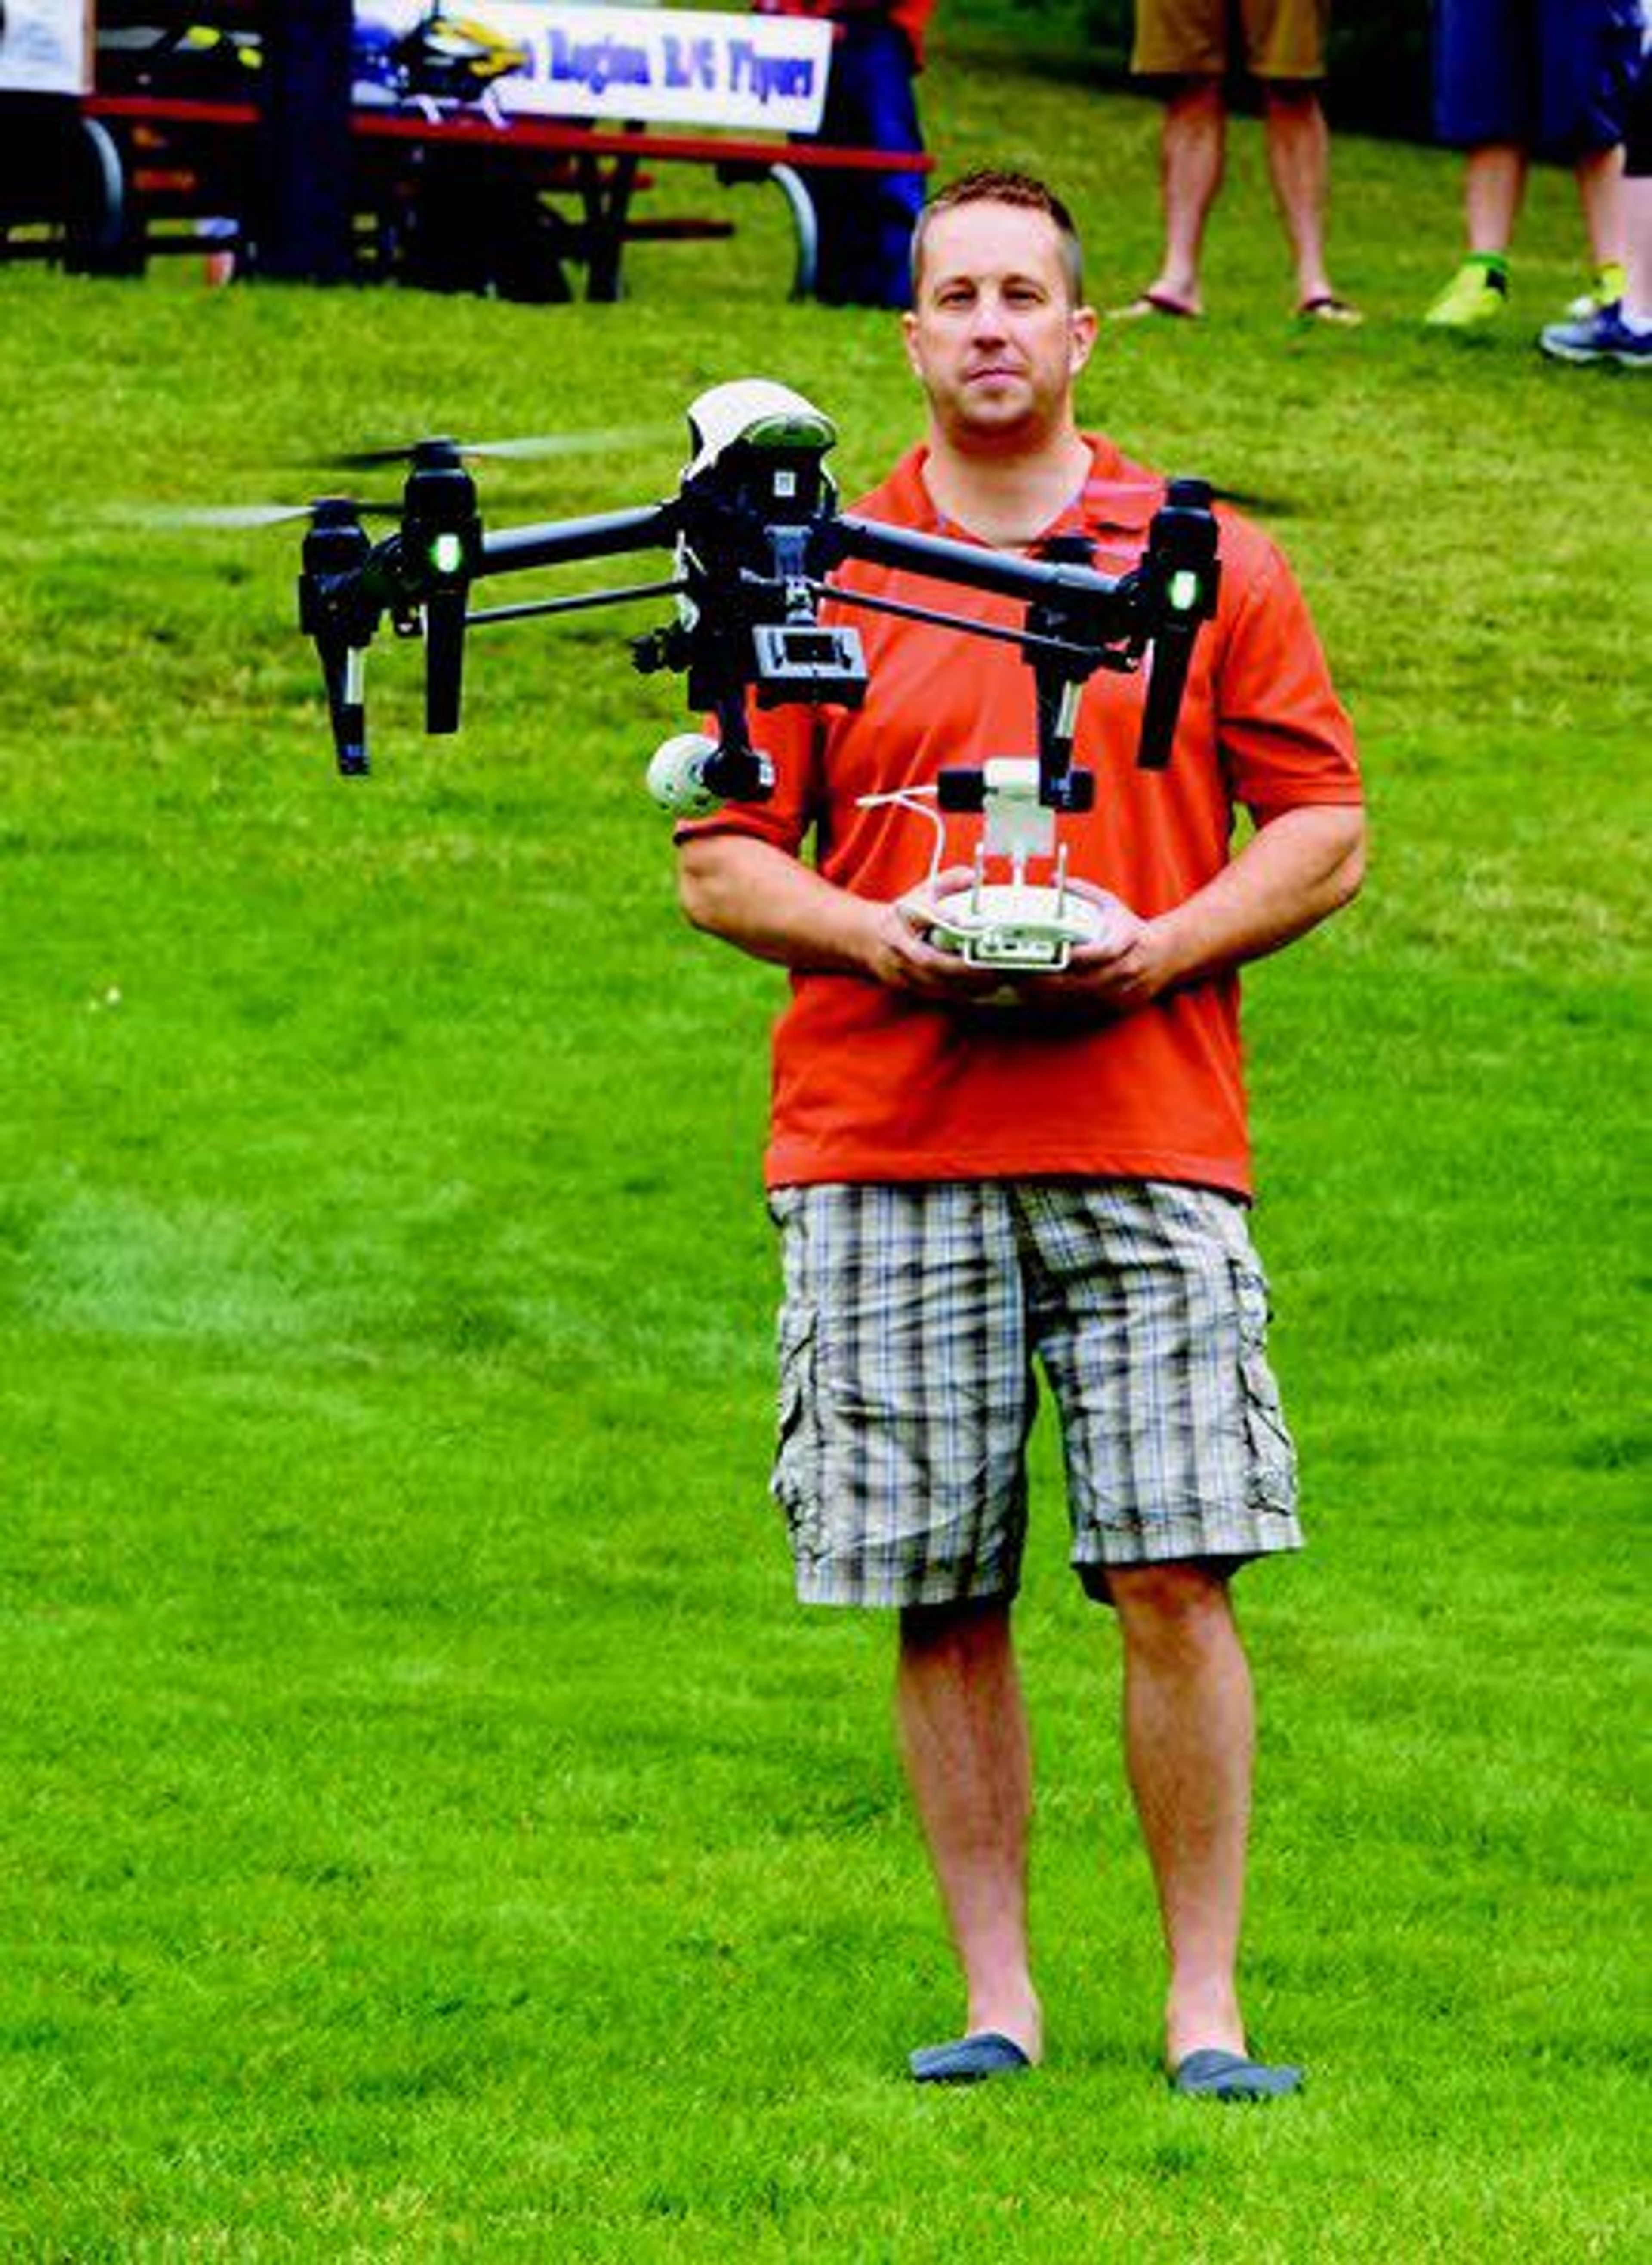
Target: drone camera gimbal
<point>756,536</point>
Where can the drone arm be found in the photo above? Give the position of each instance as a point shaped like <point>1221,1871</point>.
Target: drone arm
<point>972,567</point>
<point>1160,606</point>
<point>581,601</point>
<point>558,542</point>
<point>1076,622</point>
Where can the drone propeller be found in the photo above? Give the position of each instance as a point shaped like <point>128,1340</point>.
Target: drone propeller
<point>1241,498</point>
<point>1247,499</point>
<point>524,446</point>
<point>234,516</point>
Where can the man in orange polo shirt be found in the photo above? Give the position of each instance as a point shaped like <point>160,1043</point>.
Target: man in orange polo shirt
<point>964,1186</point>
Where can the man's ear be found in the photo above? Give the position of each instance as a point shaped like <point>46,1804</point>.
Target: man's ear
<point>1083,332</point>
<point>909,333</point>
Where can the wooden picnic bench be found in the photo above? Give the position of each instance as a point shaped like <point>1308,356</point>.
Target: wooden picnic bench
<point>162,160</point>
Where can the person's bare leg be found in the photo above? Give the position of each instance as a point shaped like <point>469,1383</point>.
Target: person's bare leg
<point>1494,189</point>
<point>1189,1740</point>
<point>1299,164</point>
<point>964,1735</point>
<point>1637,221</point>
<point>1600,193</point>
<point>1193,149</point>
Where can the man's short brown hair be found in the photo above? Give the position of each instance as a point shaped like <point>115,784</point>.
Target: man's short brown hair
<point>987,185</point>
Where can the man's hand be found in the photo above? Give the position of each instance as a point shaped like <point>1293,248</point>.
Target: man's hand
<point>900,953</point>
<point>1123,969</point>
<point>1297,869</point>
<point>1126,967</point>
<point>758,896</point>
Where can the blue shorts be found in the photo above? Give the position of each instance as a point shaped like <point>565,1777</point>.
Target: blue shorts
<point>866,219</point>
<point>1554,77</point>
<point>1637,140</point>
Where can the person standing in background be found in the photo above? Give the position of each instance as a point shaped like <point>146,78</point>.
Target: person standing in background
<point>866,219</point>
<point>1185,45</point>
<point>1519,79</point>
<point>1618,331</point>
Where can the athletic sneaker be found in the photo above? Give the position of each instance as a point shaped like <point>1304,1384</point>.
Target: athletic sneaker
<point>1609,285</point>
<point>1604,336</point>
<point>1475,295</point>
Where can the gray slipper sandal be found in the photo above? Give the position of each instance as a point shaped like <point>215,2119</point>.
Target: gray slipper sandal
<point>1213,2074</point>
<point>968,2060</point>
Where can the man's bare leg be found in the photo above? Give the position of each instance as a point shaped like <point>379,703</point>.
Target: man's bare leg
<point>963,1735</point>
<point>1193,149</point>
<point>1600,193</point>
<point>1637,225</point>
<point>1299,164</point>
<point>1494,189</point>
<point>1190,1743</point>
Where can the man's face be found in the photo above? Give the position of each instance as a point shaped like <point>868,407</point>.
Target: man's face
<point>994,338</point>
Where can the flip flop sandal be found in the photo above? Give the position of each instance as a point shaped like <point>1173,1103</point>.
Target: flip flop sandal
<point>1154,302</point>
<point>1328,308</point>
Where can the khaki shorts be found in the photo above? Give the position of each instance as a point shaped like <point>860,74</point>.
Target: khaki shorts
<point>1189,39</point>
<point>912,1316</point>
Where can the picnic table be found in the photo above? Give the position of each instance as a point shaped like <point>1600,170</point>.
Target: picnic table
<point>497,151</point>
<point>162,160</point>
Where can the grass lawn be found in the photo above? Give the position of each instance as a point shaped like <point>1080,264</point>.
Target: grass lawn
<point>428,1829</point>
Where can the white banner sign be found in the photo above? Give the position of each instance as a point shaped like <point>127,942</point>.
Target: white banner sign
<point>45,47</point>
<point>677,66</point>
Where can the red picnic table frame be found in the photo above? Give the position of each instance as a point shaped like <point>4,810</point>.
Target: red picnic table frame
<point>601,166</point>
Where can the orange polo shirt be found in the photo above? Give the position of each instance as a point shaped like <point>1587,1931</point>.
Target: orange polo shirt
<point>871,1083</point>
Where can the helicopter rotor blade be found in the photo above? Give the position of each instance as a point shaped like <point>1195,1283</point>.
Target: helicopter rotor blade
<point>1247,499</point>
<point>521,446</point>
<point>570,444</point>
<point>234,517</point>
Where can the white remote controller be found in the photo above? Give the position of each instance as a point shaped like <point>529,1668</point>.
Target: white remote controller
<point>1014,925</point>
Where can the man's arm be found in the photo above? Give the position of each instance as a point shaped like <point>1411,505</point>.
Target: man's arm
<point>763,900</point>
<point>1297,869</point>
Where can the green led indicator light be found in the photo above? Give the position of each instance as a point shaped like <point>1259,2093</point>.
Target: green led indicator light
<point>1184,590</point>
<point>446,554</point>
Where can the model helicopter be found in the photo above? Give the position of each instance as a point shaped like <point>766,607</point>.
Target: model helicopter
<point>443,58</point>
<point>437,59</point>
<point>756,533</point>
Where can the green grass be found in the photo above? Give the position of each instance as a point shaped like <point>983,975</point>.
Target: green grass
<point>428,1828</point>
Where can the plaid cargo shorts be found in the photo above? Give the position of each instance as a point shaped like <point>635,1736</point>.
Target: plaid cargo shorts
<point>911,1319</point>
